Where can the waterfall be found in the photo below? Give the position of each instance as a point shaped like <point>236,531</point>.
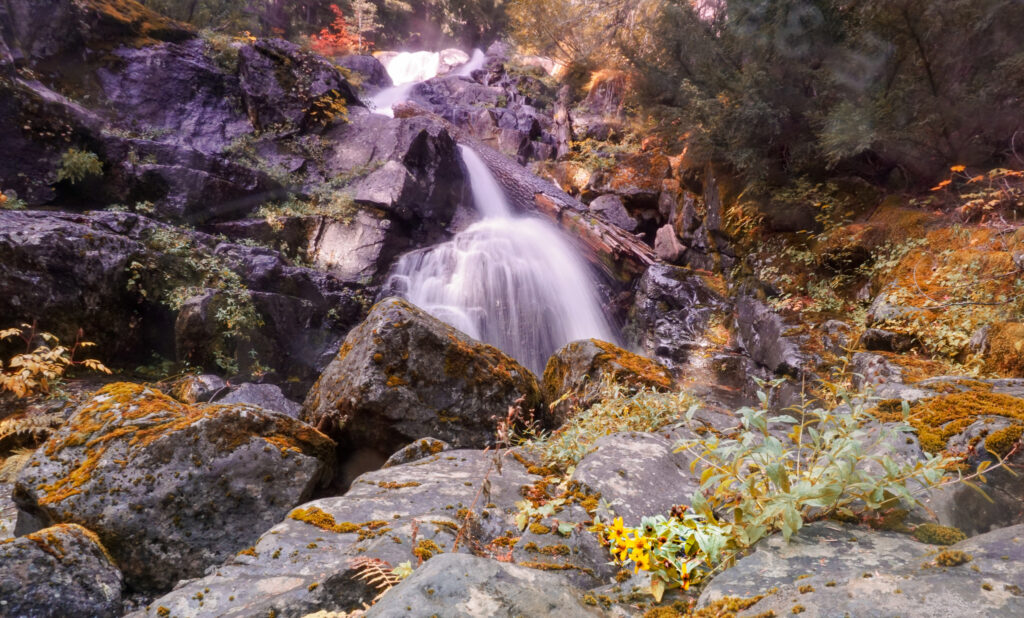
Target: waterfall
<point>512,281</point>
<point>410,68</point>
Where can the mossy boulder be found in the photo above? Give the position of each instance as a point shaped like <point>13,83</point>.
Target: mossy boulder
<point>575,374</point>
<point>309,561</point>
<point>172,488</point>
<point>402,375</point>
<point>59,571</point>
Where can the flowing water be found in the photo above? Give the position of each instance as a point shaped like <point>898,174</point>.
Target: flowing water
<point>410,68</point>
<point>512,281</point>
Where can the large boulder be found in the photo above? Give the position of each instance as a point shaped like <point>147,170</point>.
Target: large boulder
<point>763,334</point>
<point>403,375</point>
<point>172,488</point>
<point>575,374</point>
<point>830,569</point>
<point>310,561</point>
<point>369,69</point>
<point>465,586</point>
<point>638,474</point>
<point>59,571</point>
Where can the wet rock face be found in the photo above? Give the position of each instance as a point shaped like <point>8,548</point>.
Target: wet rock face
<point>58,571</point>
<point>170,488</point>
<point>369,69</point>
<point>466,586</point>
<point>307,562</point>
<point>672,309</point>
<point>762,333</point>
<point>575,373</point>
<point>830,569</point>
<point>402,375</point>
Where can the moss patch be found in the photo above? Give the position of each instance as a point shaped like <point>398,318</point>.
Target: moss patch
<point>934,534</point>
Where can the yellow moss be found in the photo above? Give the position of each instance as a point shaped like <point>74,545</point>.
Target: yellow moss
<point>315,516</point>
<point>426,549</point>
<point>660,612</point>
<point>1001,442</point>
<point>395,485</point>
<point>555,550</point>
<point>539,529</point>
<point>940,418</point>
<point>727,607</point>
<point>952,558</point>
<point>395,381</point>
<point>934,534</point>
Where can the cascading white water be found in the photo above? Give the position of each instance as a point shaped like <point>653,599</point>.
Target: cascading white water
<point>514,282</point>
<point>410,68</point>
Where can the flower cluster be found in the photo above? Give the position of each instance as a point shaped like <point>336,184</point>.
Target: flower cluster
<point>673,550</point>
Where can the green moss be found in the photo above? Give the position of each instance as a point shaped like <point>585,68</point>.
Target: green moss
<point>934,534</point>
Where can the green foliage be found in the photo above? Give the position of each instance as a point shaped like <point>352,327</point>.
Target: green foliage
<point>621,408</point>
<point>77,165</point>
<point>808,85</point>
<point>781,471</point>
<point>183,269</point>
<point>10,201</point>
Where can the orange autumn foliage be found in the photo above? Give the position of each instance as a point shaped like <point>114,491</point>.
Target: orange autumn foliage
<point>335,39</point>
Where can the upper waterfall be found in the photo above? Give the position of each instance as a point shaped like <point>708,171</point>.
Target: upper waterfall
<point>515,282</point>
<point>410,68</point>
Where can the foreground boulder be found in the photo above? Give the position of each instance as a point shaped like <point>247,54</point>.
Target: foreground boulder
<point>833,570</point>
<point>310,561</point>
<point>402,375</point>
<point>171,488</point>
<point>59,571</point>
<point>460,586</point>
<point>574,375</point>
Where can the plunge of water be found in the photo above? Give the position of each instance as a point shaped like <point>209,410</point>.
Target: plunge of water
<point>410,68</point>
<point>512,281</point>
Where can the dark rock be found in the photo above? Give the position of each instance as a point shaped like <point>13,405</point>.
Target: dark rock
<point>402,375</point>
<point>612,209</point>
<point>761,332</point>
<point>836,336</point>
<point>283,85</point>
<point>193,485</point>
<point>266,396</point>
<point>369,69</point>
<point>420,449</point>
<point>177,91</point>
<point>378,518</point>
<point>575,374</point>
<point>876,339</point>
<point>463,586</point>
<point>830,570</point>
<point>673,308</point>
<point>638,474</point>
<point>52,31</point>
<point>59,571</point>
<point>423,186</point>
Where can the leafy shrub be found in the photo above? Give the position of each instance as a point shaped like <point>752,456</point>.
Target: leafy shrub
<point>77,165</point>
<point>776,473</point>
<point>43,362</point>
<point>10,201</point>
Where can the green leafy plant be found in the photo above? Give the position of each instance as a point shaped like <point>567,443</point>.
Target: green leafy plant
<point>9,200</point>
<point>77,165</point>
<point>774,474</point>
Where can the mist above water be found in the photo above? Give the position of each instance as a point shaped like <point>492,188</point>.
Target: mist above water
<point>512,281</point>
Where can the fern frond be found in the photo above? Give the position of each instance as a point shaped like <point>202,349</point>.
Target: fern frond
<point>376,573</point>
<point>14,463</point>
<point>30,425</point>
